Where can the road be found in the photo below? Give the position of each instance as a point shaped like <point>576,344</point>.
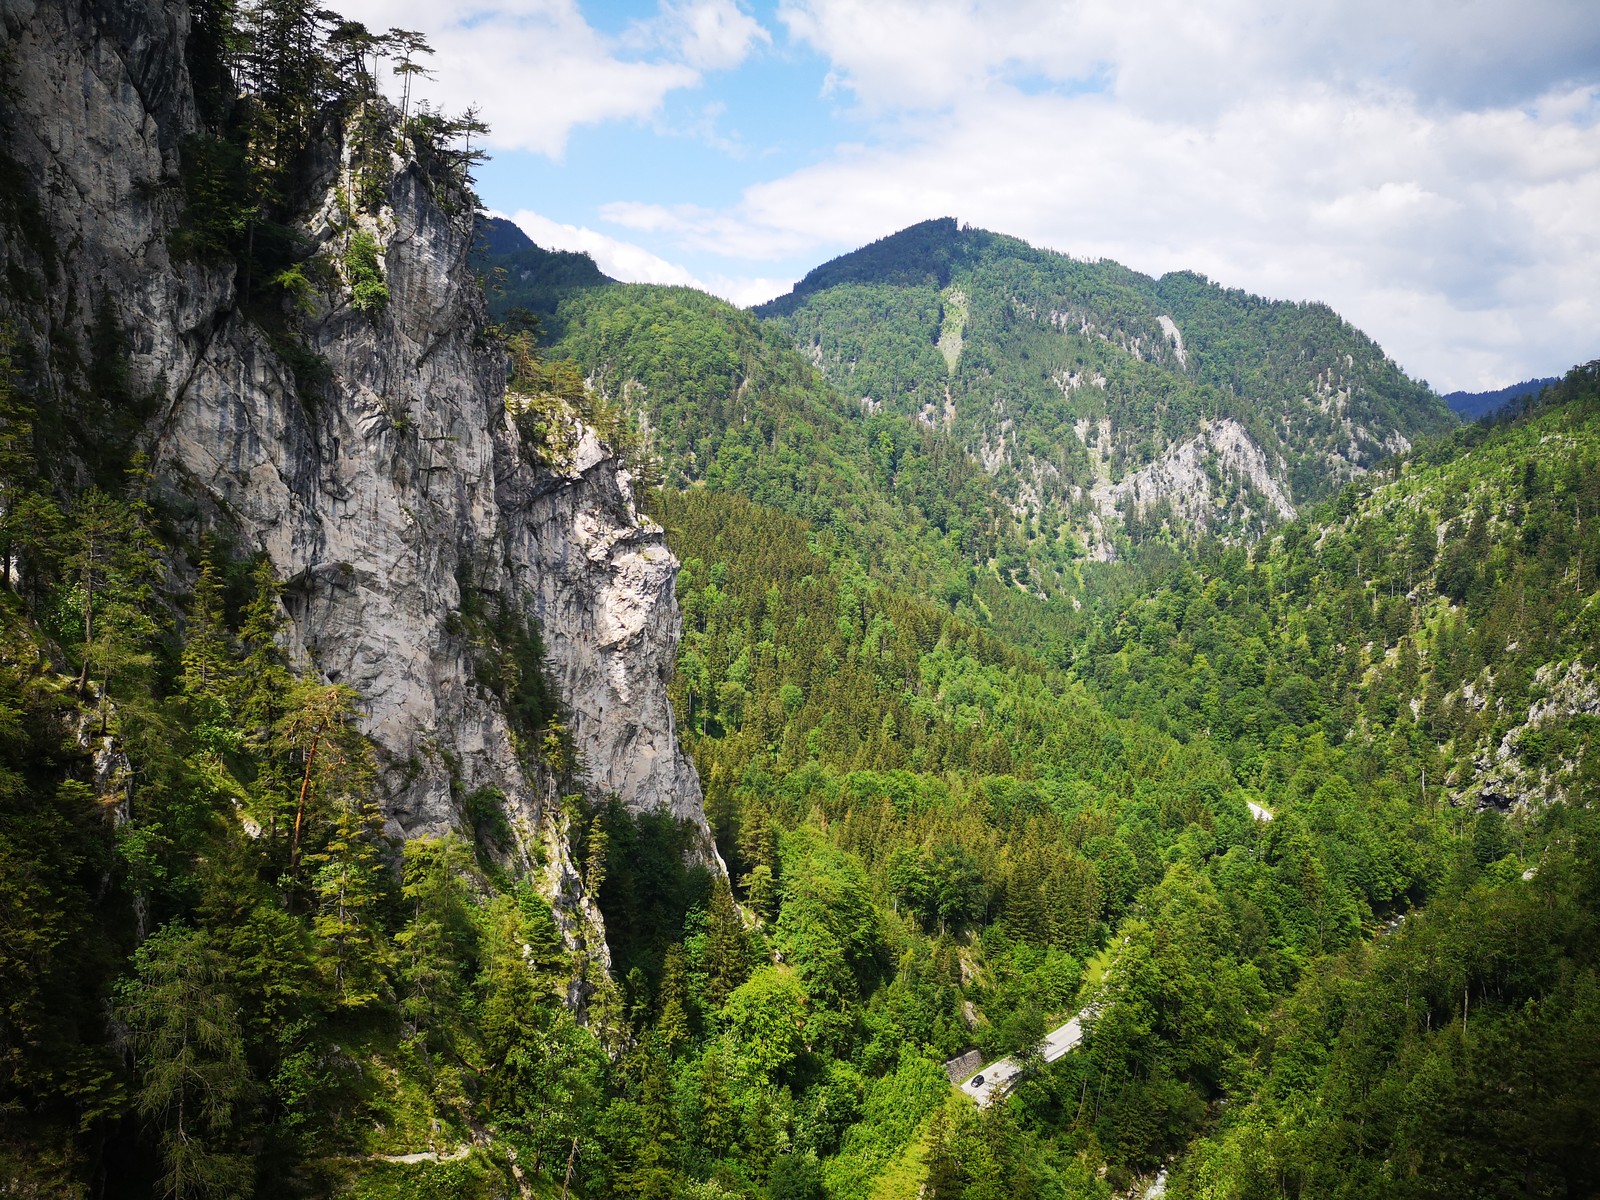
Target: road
<point>995,1080</point>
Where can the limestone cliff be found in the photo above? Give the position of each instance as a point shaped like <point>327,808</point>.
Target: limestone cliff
<point>391,492</point>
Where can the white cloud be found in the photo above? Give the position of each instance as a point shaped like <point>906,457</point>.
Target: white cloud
<point>632,263</point>
<point>1430,168</point>
<point>712,35</point>
<point>746,290</point>
<point>538,69</point>
<point>621,260</point>
<point>1462,241</point>
<point>1187,57</point>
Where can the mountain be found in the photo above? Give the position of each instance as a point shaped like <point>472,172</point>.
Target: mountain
<point>1252,760</point>
<point>386,812</point>
<point>1440,621</point>
<point>520,275</point>
<point>1473,406</point>
<point>1101,401</point>
<point>310,635</point>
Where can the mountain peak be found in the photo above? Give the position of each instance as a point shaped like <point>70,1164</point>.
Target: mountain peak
<point>920,255</point>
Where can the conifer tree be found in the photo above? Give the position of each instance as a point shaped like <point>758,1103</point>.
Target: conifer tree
<point>672,1025</point>
<point>318,728</point>
<point>719,1124</point>
<point>944,1172</point>
<point>207,680</point>
<point>594,859</point>
<point>260,686</point>
<point>194,1080</point>
<point>18,469</point>
<point>113,562</point>
<point>437,937</point>
<point>727,961</point>
<point>655,1173</point>
<point>348,889</point>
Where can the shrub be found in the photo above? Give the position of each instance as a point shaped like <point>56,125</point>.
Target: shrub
<point>368,292</point>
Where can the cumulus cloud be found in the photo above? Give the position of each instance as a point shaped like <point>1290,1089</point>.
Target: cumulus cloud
<point>631,263</point>
<point>621,260</point>
<point>538,69</point>
<point>711,35</point>
<point>1175,53</point>
<point>1430,168</point>
<point>1356,153</point>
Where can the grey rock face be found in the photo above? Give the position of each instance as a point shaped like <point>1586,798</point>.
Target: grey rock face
<point>379,495</point>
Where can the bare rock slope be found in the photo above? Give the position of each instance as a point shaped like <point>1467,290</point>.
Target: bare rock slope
<point>394,496</point>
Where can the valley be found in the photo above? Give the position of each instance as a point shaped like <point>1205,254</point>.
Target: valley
<point>472,727</point>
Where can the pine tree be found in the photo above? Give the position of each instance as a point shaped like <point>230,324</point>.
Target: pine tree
<point>113,563</point>
<point>719,1123</point>
<point>407,45</point>
<point>544,1073</point>
<point>944,1172</point>
<point>318,728</point>
<point>436,940</point>
<point>194,1080</point>
<point>594,859</point>
<point>655,1173</point>
<point>207,661</point>
<point>727,955</point>
<point>672,1025</point>
<point>348,888</point>
<point>18,468</point>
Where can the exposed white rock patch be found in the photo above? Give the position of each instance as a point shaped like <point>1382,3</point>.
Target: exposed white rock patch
<point>1180,477</point>
<point>953,326</point>
<point>1170,328</point>
<point>1509,774</point>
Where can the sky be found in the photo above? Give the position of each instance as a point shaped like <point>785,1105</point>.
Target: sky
<point>1430,168</point>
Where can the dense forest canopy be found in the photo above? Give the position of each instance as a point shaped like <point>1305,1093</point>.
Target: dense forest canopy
<point>1295,812</point>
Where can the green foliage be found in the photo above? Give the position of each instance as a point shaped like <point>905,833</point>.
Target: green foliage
<point>190,1054</point>
<point>1454,1057</point>
<point>1060,375</point>
<point>954,813</point>
<point>522,276</point>
<point>766,1020</point>
<point>543,398</point>
<point>363,272</point>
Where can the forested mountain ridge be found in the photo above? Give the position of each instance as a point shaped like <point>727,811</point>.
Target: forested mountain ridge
<point>346,847</point>
<point>1440,625</point>
<point>1348,677</point>
<point>518,274</point>
<point>1473,406</point>
<point>1100,399</point>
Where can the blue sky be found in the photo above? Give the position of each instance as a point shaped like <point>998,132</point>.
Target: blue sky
<point>1431,169</point>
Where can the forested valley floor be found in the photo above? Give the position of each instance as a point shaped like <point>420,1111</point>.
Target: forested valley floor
<point>1299,814</point>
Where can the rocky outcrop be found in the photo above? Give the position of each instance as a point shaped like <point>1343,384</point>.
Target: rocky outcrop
<point>600,578</point>
<point>1218,479</point>
<point>1180,476</point>
<point>1522,770</point>
<point>390,492</point>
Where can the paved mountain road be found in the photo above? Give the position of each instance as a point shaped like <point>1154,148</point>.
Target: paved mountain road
<point>995,1080</point>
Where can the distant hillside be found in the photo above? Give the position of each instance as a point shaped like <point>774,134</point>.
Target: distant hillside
<point>1108,407</point>
<point>991,406</point>
<point>1470,406</point>
<point>519,274</point>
